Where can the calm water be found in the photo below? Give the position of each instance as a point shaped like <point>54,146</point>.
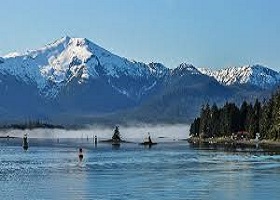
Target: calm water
<point>169,170</point>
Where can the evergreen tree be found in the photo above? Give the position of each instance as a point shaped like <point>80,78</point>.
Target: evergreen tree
<point>266,119</point>
<point>215,121</point>
<point>194,129</point>
<point>225,120</point>
<point>205,116</point>
<point>233,114</point>
<point>275,129</point>
<point>229,119</point>
<point>243,115</point>
<point>249,127</point>
<point>256,118</point>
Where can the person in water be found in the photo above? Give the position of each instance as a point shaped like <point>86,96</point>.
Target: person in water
<point>81,156</point>
<point>95,139</point>
<point>149,138</point>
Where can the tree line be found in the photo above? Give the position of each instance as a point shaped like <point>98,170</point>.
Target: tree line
<point>31,125</point>
<point>262,118</point>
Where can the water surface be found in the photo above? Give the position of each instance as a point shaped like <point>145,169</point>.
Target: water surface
<point>169,170</point>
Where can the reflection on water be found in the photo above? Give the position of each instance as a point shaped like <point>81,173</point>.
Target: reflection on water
<point>169,170</point>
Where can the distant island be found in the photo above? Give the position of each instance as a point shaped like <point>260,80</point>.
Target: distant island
<point>31,125</point>
<point>247,124</point>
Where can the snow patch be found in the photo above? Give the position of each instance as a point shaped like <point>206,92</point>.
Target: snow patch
<point>11,55</point>
<point>256,75</point>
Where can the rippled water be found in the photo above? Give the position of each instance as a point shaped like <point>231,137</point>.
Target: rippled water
<point>169,170</point>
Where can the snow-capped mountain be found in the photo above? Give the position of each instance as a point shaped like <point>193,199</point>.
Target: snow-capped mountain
<point>256,75</point>
<point>57,64</point>
<point>185,68</point>
<point>74,77</point>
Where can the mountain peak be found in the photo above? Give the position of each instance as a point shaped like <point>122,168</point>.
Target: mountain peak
<point>185,68</point>
<point>64,43</point>
<point>158,69</point>
<point>76,60</point>
<point>66,40</point>
<point>63,40</point>
<point>256,75</point>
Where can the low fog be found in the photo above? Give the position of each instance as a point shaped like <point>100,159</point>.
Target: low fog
<point>160,131</point>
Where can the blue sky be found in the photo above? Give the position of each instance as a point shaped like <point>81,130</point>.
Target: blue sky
<point>216,33</point>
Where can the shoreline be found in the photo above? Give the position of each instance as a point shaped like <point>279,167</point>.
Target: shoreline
<point>229,141</point>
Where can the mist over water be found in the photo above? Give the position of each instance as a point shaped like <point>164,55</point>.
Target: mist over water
<point>173,132</point>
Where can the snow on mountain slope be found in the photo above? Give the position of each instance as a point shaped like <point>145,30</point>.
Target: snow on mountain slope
<point>12,54</point>
<point>256,75</point>
<point>184,69</point>
<point>158,69</point>
<point>58,63</point>
<point>78,60</point>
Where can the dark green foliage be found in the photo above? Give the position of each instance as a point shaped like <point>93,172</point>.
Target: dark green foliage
<point>232,118</point>
<point>194,129</point>
<point>255,125</point>
<point>266,119</point>
<point>215,120</point>
<point>32,125</point>
<point>249,119</point>
<point>252,118</point>
<point>205,123</point>
<point>274,131</point>
<point>116,136</point>
<point>243,115</point>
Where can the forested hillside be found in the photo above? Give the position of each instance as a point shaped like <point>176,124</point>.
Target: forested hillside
<point>263,118</point>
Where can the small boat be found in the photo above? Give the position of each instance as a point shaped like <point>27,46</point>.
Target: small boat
<point>25,142</point>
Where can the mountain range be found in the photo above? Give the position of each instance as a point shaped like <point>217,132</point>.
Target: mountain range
<point>73,80</point>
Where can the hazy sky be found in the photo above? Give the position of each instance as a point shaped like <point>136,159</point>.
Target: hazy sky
<point>216,33</point>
